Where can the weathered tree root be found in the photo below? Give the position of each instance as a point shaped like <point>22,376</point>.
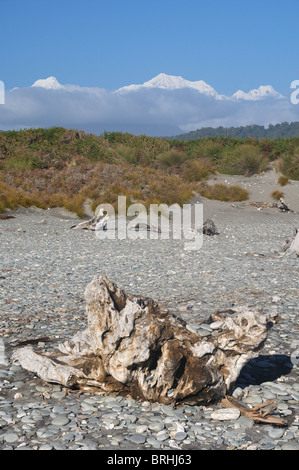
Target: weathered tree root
<point>133,346</point>
<point>256,414</point>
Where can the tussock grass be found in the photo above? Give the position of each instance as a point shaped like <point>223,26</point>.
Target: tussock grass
<point>283,180</point>
<point>248,160</point>
<point>171,158</point>
<point>276,194</point>
<point>198,170</point>
<point>222,192</point>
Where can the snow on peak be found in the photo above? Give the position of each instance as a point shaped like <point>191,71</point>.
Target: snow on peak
<point>257,94</point>
<point>171,82</point>
<point>50,83</point>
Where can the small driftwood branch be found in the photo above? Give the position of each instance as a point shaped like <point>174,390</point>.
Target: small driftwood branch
<point>143,226</point>
<point>6,217</point>
<point>292,243</point>
<point>98,222</point>
<point>283,206</point>
<point>208,228</point>
<point>256,414</point>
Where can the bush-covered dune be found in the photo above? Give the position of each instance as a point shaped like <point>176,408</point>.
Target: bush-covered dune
<point>60,167</point>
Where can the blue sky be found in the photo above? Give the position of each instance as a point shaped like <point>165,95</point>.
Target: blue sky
<point>229,44</point>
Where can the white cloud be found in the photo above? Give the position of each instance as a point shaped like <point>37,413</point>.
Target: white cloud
<point>154,110</point>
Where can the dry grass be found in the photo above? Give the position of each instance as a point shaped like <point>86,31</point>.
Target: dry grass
<point>198,170</point>
<point>101,183</point>
<point>222,192</point>
<point>276,194</point>
<point>283,180</point>
<point>171,158</point>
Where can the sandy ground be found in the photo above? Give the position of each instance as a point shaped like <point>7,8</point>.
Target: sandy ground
<point>259,188</point>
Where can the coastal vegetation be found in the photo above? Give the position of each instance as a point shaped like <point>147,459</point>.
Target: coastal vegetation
<point>59,167</point>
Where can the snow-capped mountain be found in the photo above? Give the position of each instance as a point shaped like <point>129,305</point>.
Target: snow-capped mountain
<point>50,83</point>
<point>162,106</point>
<point>257,94</point>
<point>171,82</point>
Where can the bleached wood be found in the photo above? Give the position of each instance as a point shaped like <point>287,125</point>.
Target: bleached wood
<point>134,346</point>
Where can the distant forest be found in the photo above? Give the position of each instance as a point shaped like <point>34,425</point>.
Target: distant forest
<point>272,132</point>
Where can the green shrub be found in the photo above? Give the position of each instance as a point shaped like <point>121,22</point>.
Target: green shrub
<point>128,154</point>
<point>197,170</point>
<point>289,165</point>
<point>249,160</point>
<point>171,158</point>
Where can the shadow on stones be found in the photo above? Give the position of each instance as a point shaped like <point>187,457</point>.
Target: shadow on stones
<point>264,369</point>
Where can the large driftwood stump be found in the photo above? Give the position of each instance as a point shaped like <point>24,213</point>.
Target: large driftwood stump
<point>134,346</point>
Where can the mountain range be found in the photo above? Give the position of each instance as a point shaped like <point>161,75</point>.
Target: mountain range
<point>166,105</point>
<point>172,82</point>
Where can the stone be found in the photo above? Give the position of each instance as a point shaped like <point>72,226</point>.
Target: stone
<point>60,421</point>
<point>156,427</point>
<point>290,446</point>
<point>162,436</point>
<point>11,437</point>
<point>244,423</point>
<point>180,436</point>
<point>226,414</point>
<point>276,433</point>
<point>137,439</point>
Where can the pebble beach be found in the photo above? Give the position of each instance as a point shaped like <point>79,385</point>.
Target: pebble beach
<point>45,268</point>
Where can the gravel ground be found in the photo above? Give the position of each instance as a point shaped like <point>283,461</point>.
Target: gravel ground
<point>43,274</point>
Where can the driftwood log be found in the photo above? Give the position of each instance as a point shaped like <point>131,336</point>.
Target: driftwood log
<point>294,248</point>
<point>292,243</point>
<point>98,222</point>
<point>283,206</point>
<point>257,413</point>
<point>134,347</point>
<point>6,217</point>
<point>147,227</point>
<point>209,228</point>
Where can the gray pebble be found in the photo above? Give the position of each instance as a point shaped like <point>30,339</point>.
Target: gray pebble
<point>46,447</point>
<point>60,421</point>
<point>11,437</point>
<point>180,436</point>
<point>156,426</point>
<point>290,446</point>
<point>137,439</point>
<point>276,433</point>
